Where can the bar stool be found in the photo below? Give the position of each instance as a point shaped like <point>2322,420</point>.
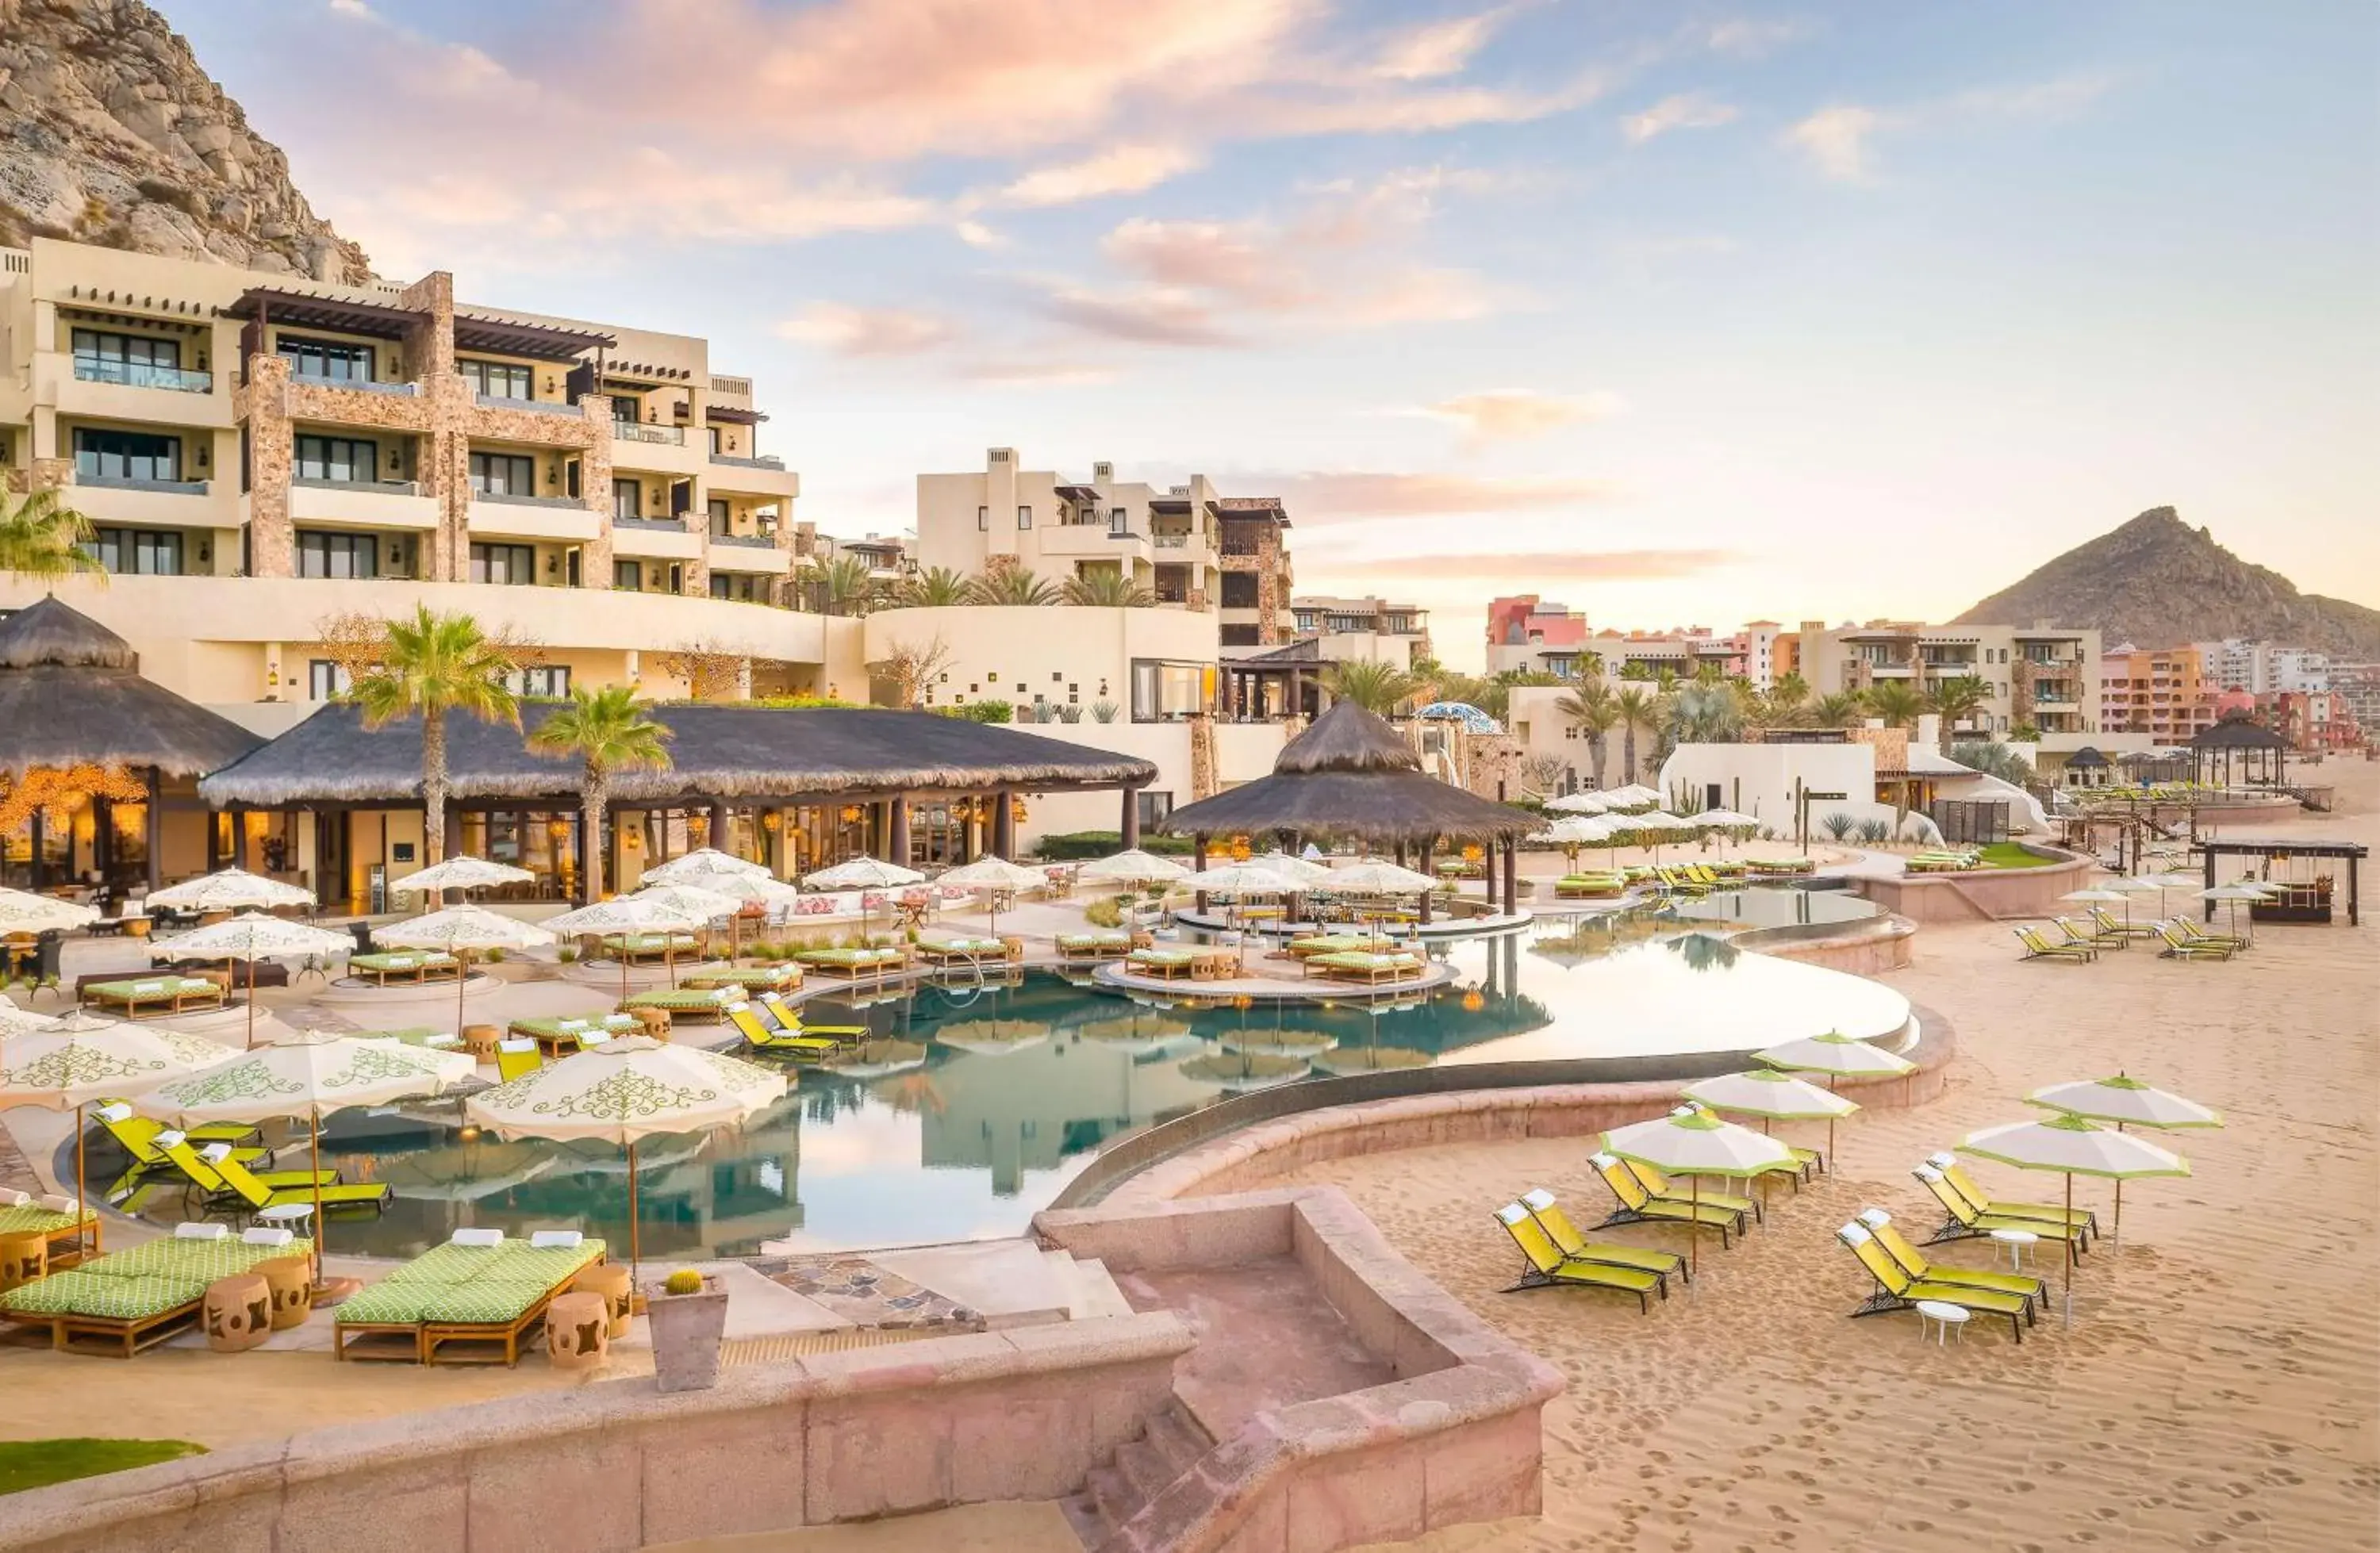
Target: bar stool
<point>577,1331</point>
<point>239,1313</point>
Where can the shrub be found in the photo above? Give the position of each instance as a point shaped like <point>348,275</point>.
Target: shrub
<point>493,957</point>
<point>1103,711</point>
<point>1078,846</point>
<point>686,1280</point>
<point>1875,831</point>
<point>568,952</point>
<point>988,711</point>
<point>1838,824</point>
<point>1107,912</point>
<point>1070,713</point>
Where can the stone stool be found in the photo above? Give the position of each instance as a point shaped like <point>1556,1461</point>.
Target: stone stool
<point>611,1280</point>
<point>239,1312</point>
<point>480,1040</point>
<point>291,1280</point>
<point>578,1331</point>
<point>23,1258</point>
<point>656,1022</point>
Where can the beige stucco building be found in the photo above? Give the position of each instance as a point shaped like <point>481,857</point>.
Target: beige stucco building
<point>2044,675</point>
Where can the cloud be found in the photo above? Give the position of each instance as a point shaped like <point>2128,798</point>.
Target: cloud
<point>974,234</point>
<point>1323,496</point>
<point>1123,170</point>
<point>1546,565</point>
<point>1038,374</point>
<point>1749,37</point>
<point>1686,111</point>
<point>849,331</point>
<point>1149,316</point>
<point>1836,139</point>
<point>1519,412</point>
<point>1439,48</point>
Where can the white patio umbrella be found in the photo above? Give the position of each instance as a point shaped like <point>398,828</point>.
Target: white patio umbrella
<point>1372,877</point>
<point>703,860</point>
<point>627,914</point>
<point>2232,894</point>
<point>1633,796</point>
<point>1695,1143</point>
<point>1723,819</point>
<point>16,1021</point>
<point>459,930</point>
<point>991,875</point>
<point>1774,1094</point>
<point>2073,1146</point>
<point>1838,1056</point>
<point>2095,896</point>
<point>229,889</point>
<point>1305,875</point>
<point>460,873</point>
<point>862,873</point>
<point>1133,866</point>
<point>305,1076</point>
<point>1580,802</point>
<point>2125,1101</point>
<point>2166,883</point>
<point>252,936</point>
<point>707,906</point>
<point>81,1060</point>
<point>21,910</point>
<point>748,885</point>
<point>1655,824</point>
<point>623,1092</point>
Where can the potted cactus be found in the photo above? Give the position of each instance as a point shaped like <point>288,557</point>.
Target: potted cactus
<point>688,1311</point>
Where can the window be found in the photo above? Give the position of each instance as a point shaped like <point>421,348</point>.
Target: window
<point>100,356</point>
<point>627,499</point>
<point>723,519</point>
<point>628,577</point>
<point>718,442</point>
<point>1153,806</point>
<point>512,564</point>
<point>326,681</point>
<point>1024,517</point>
<point>337,555</point>
<point>742,586</point>
<point>499,380</point>
<point>1237,635</point>
<point>334,360</point>
<point>144,552</point>
<point>551,681</point>
<point>1118,517</point>
<point>126,456</point>
<point>504,474</point>
<point>346,459</point>
<point>983,519</point>
<point>1165,692</point>
<point>1239,591</point>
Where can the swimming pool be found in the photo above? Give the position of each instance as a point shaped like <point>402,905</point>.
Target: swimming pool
<point>974,1106</point>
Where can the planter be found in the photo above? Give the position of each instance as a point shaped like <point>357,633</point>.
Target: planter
<point>687,1331</point>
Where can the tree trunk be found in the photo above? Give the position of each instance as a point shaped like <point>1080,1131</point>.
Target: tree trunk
<point>1597,747</point>
<point>594,797</point>
<point>433,785</point>
<point>1628,754</point>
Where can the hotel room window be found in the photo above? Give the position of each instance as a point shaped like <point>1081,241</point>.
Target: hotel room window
<point>346,460</point>
<point>983,519</point>
<point>138,551</point>
<point>1024,517</point>
<point>333,360</point>
<point>627,499</point>
<point>326,681</point>
<point>337,555</point>
<point>504,474</point>
<point>628,577</point>
<point>513,565</point>
<point>126,456</point>
<point>499,380</point>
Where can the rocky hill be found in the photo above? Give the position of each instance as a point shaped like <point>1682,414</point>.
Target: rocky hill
<point>2158,582</point>
<point>110,133</point>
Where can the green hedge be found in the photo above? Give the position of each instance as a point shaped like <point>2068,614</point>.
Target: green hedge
<point>1081,845</point>
<point>979,711</point>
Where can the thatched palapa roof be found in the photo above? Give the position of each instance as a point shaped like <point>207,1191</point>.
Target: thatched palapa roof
<point>1350,775</point>
<point>71,694</point>
<point>719,750</point>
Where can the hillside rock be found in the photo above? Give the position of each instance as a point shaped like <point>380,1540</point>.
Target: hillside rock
<point>110,133</point>
<point>2158,582</point>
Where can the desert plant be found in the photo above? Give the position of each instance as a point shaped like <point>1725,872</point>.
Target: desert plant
<point>1959,697</point>
<point>1896,702</point>
<point>1106,913</point>
<point>434,664</point>
<point>1108,587</point>
<point>1070,713</point>
<point>846,587</point>
<point>567,954</point>
<point>909,669</point>
<point>608,731</point>
<point>686,1280</point>
<point>1593,710</point>
<point>1637,709</point>
<point>988,711</point>
<point>1993,758</point>
<point>1876,831</point>
<point>1838,824</point>
<point>1104,711</point>
<point>43,538</point>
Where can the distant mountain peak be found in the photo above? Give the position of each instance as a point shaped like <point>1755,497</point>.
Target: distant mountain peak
<point>2155,581</point>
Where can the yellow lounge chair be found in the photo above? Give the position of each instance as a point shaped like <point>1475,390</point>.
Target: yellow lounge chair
<point>759,1037</point>
<point>242,1189</point>
<point>1966,1222</point>
<point>2178,947</point>
<point>1578,1248</point>
<point>515,1057</point>
<point>1895,1290</point>
<point>1548,1268</point>
<point>781,1016</point>
<point>2038,947</point>
<point>1657,1185</point>
<point>197,1165</point>
<point>1913,1262</point>
<point>1984,1202</point>
<point>1638,1206</point>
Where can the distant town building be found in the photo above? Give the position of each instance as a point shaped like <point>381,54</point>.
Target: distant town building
<point>2261,667</point>
<point>1527,635</point>
<point>1363,629</point>
<point>2164,693</point>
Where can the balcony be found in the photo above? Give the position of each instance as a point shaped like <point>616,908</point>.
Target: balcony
<point>142,374</point>
<point>362,385</point>
<point>638,432</point>
<point>363,504</point>
<point>535,407</point>
<point>130,482</point>
<point>560,519</point>
<point>658,539</point>
<point>766,461</point>
<point>749,553</point>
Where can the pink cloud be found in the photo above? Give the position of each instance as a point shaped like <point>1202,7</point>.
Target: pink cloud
<point>849,331</point>
<point>1519,412</point>
<point>1325,496</point>
<point>1686,111</point>
<point>1545,566</point>
<point>1121,170</point>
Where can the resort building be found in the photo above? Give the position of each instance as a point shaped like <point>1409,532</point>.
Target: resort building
<point>1361,630</point>
<point>263,457</point>
<point>2165,694</point>
<point>2042,677</point>
<point>1527,634</point>
<point>2358,687</point>
<point>2310,720</point>
<point>2261,668</point>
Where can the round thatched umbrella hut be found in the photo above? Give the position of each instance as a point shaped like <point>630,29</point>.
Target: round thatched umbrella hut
<point>79,726</point>
<point>1352,775</point>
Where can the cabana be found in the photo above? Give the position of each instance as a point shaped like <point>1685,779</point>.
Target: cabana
<point>796,789</point>
<point>2300,893</point>
<point>85,732</point>
<point>1350,775</point>
<point>2237,746</point>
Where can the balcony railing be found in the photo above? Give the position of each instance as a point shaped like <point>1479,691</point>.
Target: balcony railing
<point>379,487</point>
<point>133,482</point>
<point>739,388</point>
<point>638,431</point>
<point>749,542</point>
<point>768,461</point>
<point>1170,541</point>
<point>652,525</point>
<point>323,380</point>
<point>509,498</point>
<point>537,406</point>
<point>142,374</point>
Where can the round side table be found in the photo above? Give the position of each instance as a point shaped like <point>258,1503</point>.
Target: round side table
<point>2018,1242</point>
<point>1947,1318</point>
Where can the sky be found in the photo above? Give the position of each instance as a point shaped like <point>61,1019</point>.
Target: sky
<point>1676,313</point>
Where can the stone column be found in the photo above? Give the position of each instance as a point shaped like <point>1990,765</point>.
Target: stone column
<point>896,829</point>
<point>272,539</point>
<point>1429,844</point>
<point>152,824</point>
<point>1003,825</point>
<point>1198,865</point>
<point>719,824</point>
<point>1130,824</point>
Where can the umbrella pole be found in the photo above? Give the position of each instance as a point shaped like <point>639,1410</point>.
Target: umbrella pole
<point>462,975</point>
<point>1694,1230</point>
<point>81,1206</point>
<point>2119,1236</point>
<point>2070,1250</point>
<point>252,999</point>
<point>633,1246</point>
<point>314,1139</point>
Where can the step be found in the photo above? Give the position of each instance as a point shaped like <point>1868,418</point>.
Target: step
<point>1082,1512</point>
<point>1178,1437</point>
<point>1112,1493</point>
<point>1102,1297</point>
<point>1142,1461</point>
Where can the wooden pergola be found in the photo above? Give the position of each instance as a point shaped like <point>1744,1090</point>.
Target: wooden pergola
<point>2255,753</point>
<point>2298,902</point>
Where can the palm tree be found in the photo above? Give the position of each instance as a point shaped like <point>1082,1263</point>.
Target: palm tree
<point>1374,686</point>
<point>1010,586</point>
<point>1704,714</point>
<point>1959,697</point>
<point>434,664</point>
<point>1896,702</point>
<point>1838,709</point>
<point>608,731</point>
<point>42,538</point>
<point>935,588</point>
<point>846,587</point>
<point>1638,709</point>
<point>1787,695</point>
<point>1108,587</point>
<point>1593,710</point>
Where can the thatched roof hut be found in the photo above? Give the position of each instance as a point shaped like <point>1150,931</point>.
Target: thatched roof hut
<point>718,750</point>
<point>1350,775</point>
<point>71,694</point>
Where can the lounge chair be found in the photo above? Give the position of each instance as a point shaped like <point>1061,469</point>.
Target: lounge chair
<point>690,1003</point>
<point>2087,933</point>
<point>2111,923</point>
<point>2177,947</point>
<point>1103,945</point>
<point>470,1301</point>
<point>1967,1222</point>
<point>851,964</point>
<point>137,1136</point>
<point>1546,1268</point>
<point>56,1218</point>
<point>1578,1248</point>
<point>2038,947</point>
<point>2196,934</point>
<point>404,969</point>
<point>1163,964</point>
<point>1359,965</point>
<point>966,950</point>
<point>1329,944</point>
<point>1895,1290</point>
<point>638,948</point>
<point>197,1167</point>
<point>759,1037</point>
<point>752,978</point>
<point>246,1193</point>
<point>1638,1206</point>
<point>172,994</point>
<point>517,1057</point>
<point>1984,1202</point>
<point>1779,867</point>
<point>1658,1187</point>
<point>1913,1262</point>
<point>785,1019</point>
<point>559,1037</point>
<point>1590,886</point>
<point>133,1300</point>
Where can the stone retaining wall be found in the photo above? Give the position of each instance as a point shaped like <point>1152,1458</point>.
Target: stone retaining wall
<point>1019,1415</point>
<point>1982,894</point>
<point>1455,1436</point>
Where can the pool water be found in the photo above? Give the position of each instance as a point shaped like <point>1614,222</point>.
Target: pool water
<point>977,1105</point>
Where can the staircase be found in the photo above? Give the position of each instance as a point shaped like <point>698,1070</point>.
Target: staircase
<point>1136,1474</point>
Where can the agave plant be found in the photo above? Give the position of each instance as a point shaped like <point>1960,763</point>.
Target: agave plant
<point>1838,824</point>
<point>1010,586</point>
<point>1108,587</point>
<point>1104,711</point>
<point>1876,831</point>
<point>1070,713</point>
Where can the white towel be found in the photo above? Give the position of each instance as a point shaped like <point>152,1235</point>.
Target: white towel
<point>477,1237</point>
<point>119,1112</point>
<point>1874,1217</point>
<point>201,1231</point>
<point>266,1235</point>
<point>552,1239</point>
<point>15,1199</point>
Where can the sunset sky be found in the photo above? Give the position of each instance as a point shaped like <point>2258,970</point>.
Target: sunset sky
<point>1679,314</point>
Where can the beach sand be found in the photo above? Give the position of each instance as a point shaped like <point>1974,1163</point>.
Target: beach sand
<point>2217,1388</point>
